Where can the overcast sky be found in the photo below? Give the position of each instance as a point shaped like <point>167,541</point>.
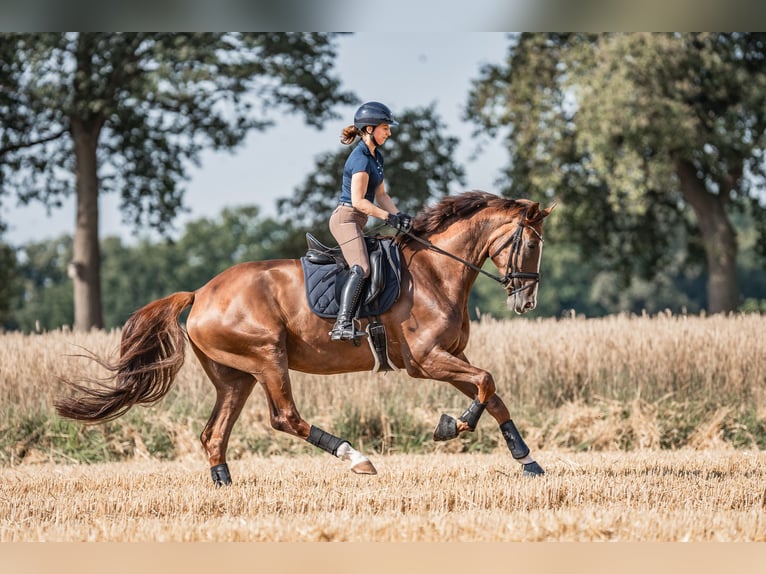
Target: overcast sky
<point>401,69</point>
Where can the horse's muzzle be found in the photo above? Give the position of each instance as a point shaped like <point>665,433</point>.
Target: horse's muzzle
<point>523,301</point>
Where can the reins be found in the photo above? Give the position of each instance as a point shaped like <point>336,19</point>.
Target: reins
<point>432,247</point>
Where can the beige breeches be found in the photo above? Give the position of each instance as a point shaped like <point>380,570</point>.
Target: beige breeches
<point>347,227</point>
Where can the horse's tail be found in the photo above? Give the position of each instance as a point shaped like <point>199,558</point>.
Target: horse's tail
<point>152,351</point>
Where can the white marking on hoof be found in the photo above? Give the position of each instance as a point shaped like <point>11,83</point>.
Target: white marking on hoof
<point>360,464</point>
<point>364,467</point>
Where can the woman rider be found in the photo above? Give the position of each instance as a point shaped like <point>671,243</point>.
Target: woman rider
<point>363,195</point>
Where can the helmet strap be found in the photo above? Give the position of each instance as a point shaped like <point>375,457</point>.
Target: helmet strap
<point>371,133</point>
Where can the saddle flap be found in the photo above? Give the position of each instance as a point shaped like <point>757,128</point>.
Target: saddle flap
<point>323,284</point>
<point>377,274</point>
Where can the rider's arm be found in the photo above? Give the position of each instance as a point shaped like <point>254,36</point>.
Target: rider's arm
<point>358,187</point>
<point>384,200</point>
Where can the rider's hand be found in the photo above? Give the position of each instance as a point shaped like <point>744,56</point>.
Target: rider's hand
<point>400,221</point>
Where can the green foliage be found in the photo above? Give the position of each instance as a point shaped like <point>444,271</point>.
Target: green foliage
<point>64,440</point>
<point>754,306</point>
<point>128,112</point>
<point>134,275</point>
<point>389,430</point>
<point>38,294</point>
<point>45,292</point>
<point>650,141</point>
<point>8,282</point>
<point>137,274</point>
<point>155,101</point>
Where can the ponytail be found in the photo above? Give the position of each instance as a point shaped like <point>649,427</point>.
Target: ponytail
<point>349,135</point>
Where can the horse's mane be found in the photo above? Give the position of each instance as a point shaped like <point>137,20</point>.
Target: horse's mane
<point>450,209</point>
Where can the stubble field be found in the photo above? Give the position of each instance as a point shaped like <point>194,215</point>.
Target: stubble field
<point>647,496</point>
<point>649,428</point>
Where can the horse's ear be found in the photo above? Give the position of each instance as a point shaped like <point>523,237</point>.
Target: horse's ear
<point>547,211</point>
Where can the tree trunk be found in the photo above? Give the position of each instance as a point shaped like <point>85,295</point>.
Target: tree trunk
<point>718,237</point>
<point>85,270</point>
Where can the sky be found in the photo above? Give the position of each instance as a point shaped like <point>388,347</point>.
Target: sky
<point>400,69</point>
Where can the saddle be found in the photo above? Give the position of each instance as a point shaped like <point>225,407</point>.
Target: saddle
<point>325,270</point>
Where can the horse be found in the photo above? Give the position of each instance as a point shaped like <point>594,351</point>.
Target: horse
<point>251,323</point>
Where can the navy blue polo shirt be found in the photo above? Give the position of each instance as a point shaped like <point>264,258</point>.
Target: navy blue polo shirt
<point>360,159</point>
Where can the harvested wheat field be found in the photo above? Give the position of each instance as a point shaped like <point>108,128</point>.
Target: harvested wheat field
<point>651,429</point>
<point>609,496</point>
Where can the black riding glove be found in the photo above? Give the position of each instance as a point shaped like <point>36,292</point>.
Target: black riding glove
<point>400,221</point>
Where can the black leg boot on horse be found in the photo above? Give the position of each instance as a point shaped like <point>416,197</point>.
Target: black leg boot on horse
<point>350,297</point>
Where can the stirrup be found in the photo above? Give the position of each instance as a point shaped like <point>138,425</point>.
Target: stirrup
<point>346,332</point>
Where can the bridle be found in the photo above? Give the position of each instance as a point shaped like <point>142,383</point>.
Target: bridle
<point>512,272</point>
<point>511,267</point>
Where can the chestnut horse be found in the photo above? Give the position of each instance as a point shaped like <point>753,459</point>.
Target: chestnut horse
<point>251,323</point>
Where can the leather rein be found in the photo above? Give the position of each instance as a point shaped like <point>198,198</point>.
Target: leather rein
<point>511,273</point>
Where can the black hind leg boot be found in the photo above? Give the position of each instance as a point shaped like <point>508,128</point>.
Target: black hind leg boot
<point>344,328</point>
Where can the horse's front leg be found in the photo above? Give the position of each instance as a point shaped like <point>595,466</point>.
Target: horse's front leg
<point>441,365</point>
<point>519,449</point>
<point>479,385</point>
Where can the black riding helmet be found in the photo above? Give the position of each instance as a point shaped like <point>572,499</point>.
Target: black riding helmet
<point>373,114</point>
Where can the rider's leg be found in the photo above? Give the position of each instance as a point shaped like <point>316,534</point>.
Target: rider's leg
<point>344,328</point>
<point>346,225</point>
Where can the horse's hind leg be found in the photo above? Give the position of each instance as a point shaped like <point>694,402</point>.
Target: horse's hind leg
<point>233,387</point>
<point>519,449</point>
<point>285,417</point>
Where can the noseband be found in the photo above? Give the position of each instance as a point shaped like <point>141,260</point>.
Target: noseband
<point>511,273</point>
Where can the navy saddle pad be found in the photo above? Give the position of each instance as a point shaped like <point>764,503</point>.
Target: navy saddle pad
<point>325,273</point>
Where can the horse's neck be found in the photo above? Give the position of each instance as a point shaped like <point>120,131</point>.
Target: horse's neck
<point>467,241</point>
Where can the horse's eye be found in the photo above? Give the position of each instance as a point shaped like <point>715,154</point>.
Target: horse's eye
<point>532,245</point>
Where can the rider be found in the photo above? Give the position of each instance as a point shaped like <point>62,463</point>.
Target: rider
<point>363,188</point>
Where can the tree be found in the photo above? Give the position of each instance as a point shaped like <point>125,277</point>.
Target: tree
<point>91,113</point>
<point>135,274</point>
<point>8,282</point>
<point>647,139</point>
<point>45,298</point>
<point>237,234</point>
<point>419,167</point>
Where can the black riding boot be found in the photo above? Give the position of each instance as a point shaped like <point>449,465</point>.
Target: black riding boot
<point>344,328</point>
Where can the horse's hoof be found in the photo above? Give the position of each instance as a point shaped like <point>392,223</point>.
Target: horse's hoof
<point>220,475</point>
<point>532,469</point>
<point>364,467</point>
<point>446,429</point>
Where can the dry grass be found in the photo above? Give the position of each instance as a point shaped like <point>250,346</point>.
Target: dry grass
<point>625,383</point>
<point>650,429</point>
<point>641,496</point>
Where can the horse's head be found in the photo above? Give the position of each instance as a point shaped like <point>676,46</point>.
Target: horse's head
<point>478,224</point>
<point>516,250</point>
